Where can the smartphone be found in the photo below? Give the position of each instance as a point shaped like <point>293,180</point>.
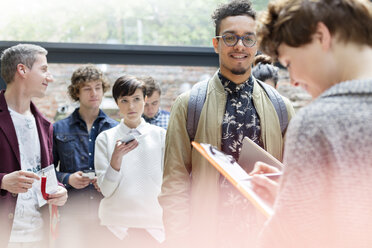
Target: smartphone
<point>91,174</point>
<point>128,138</point>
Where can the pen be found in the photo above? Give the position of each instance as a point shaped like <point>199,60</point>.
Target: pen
<point>273,176</point>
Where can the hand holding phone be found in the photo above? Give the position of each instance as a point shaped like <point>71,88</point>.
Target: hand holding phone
<point>127,139</point>
<point>89,173</point>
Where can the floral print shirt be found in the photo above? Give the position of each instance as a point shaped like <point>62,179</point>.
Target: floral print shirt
<point>238,219</point>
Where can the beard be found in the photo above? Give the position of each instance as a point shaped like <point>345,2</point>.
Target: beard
<point>239,71</point>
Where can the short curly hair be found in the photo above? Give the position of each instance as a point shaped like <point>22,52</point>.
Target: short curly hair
<point>293,22</point>
<point>233,8</point>
<point>84,74</point>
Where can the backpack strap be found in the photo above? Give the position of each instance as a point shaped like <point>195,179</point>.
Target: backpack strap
<point>197,98</point>
<point>278,102</point>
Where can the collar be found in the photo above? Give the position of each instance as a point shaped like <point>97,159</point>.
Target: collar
<point>351,87</point>
<point>230,86</point>
<point>76,117</point>
<point>140,129</point>
<point>153,118</point>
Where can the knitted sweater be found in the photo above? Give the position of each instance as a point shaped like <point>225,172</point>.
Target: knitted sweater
<point>325,196</point>
<point>130,195</point>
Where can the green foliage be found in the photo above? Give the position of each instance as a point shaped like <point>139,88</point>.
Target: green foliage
<point>147,22</point>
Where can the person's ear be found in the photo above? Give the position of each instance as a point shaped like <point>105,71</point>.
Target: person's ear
<point>21,69</point>
<point>215,44</point>
<point>323,35</point>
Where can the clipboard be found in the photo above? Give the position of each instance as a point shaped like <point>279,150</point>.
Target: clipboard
<point>251,153</point>
<point>233,172</point>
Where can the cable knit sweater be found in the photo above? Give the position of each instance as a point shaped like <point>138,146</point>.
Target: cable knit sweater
<point>325,197</point>
<point>130,195</point>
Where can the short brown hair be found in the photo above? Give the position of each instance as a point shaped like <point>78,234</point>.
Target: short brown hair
<point>19,54</point>
<point>293,22</point>
<point>151,85</point>
<point>84,74</point>
<point>126,86</point>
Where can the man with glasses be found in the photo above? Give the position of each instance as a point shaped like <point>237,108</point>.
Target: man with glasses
<point>201,208</point>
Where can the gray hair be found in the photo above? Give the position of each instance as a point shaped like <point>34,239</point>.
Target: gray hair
<point>19,54</point>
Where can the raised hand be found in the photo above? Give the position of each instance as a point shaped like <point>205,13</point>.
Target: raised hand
<point>120,150</point>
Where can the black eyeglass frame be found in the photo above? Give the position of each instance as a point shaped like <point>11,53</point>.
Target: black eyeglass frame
<point>237,39</point>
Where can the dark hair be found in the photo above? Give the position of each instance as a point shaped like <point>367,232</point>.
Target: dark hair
<point>84,74</point>
<point>126,86</point>
<point>293,22</point>
<point>233,8</point>
<point>19,54</point>
<point>264,69</point>
<point>151,85</point>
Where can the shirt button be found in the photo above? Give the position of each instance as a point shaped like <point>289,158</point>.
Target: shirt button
<point>90,140</point>
<point>90,168</point>
<point>10,216</point>
<point>14,194</point>
<point>82,157</point>
<point>94,127</point>
<point>90,154</point>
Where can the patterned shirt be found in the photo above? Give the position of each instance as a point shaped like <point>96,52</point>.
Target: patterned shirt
<point>161,119</point>
<point>28,223</point>
<point>241,118</point>
<point>237,219</point>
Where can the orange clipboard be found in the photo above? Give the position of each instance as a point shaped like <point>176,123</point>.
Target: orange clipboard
<point>235,174</point>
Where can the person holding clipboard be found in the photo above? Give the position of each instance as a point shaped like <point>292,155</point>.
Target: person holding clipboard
<point>324,196</point>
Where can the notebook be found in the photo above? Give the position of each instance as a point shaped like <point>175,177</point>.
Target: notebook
<point>251,153</point>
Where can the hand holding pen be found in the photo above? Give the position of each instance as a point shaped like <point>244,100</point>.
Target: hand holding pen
<point>264,182</point>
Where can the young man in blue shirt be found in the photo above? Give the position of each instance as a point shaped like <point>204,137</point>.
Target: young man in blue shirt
<point>73,152</point>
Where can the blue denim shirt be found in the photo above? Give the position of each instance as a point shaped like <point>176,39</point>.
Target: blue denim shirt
<point>73,146</point>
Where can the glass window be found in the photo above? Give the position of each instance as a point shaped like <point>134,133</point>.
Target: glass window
<point>140,22</point>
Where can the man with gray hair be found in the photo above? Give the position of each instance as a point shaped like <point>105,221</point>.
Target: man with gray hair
<point>25,148</point>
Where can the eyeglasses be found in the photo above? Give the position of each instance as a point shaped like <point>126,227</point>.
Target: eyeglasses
<point>231,40</point>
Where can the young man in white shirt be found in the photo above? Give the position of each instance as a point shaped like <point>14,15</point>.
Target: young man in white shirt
<point>25,147</point>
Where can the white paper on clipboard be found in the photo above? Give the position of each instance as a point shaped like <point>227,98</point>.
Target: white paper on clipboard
<point>235,174</point>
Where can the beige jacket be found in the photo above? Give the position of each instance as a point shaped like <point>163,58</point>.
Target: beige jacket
<point>190,200</point>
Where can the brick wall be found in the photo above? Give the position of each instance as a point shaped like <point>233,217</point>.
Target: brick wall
<point>172,79</point>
